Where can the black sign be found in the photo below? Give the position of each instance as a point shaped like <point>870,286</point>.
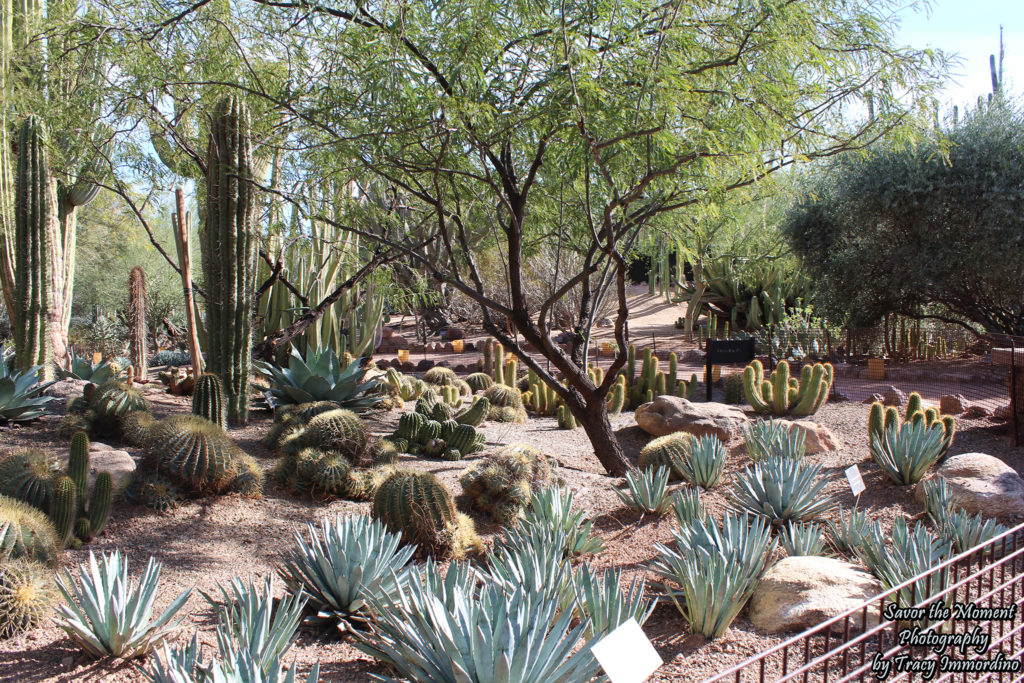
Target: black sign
<point>725,351</point>
<point>721,352</point>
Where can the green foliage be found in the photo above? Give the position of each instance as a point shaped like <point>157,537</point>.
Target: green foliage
<point>320,377</point>
<point>552,508</point>
<point>781,490</point>
<point>906,451</point>
<point>208,399</point>
<point>229,243</point>
<point>82,367</point>
<point>20,390</point>
<point>647,491</point>
<point>346,563</point>
<point>849,530</point>
<point>913,552</point>
<point>704,461</point>
<point>448,630</point>
<point>771,438</point>
<point>27,597</point>
<point>108,615</point>
<point>957,192</point>
<point>26,532</point>
<point>601,598</point>
<point>501,484</point>
<point>28,475</point>
<point>802,539</point>
<point>687,506</point>
<point>716,569</point>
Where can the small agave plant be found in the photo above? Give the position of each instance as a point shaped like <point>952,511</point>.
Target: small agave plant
<point>553,508</point>
<point>320,377</point>
<point>107,615</point>
<point>647,491</point>
<point>82,367</point>
<point>346,562</point>
<point>20,399</point>
<point>533,558</point>
<point>600,596</point>
<point>451,630</point>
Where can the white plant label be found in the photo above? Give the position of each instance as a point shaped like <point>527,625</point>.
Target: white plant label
<point>626,654</point>
<point>856,481</point>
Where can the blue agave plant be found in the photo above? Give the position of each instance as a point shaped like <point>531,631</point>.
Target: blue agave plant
<point>81,367</point>
<point>320,377</point>
<point>19,393</point>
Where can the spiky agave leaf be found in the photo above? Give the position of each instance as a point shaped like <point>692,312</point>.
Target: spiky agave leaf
<point>906,450</point>
<point>848,531</point>
<point>647,491</point>
<point>602,597</point>
<point>535,559</point>
<point>765,438</point>
<point>965,531</point>
<point>781,490</point>
<point>687,506</point>
<point>802,539</point>
<point>450,631</point>
<point>553,508</point>
<point>346,562</point>
<point>20,399</point>
<point>107,614</point>
<point>320,377</point>
<point>704,462</point>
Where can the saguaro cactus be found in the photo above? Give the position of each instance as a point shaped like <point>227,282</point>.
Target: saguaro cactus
<point>34,209</point>
<point>137,321</point>
<point>229,253</point>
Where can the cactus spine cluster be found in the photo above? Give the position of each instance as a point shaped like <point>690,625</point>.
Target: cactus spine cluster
<point>208,399</point>
<point>780,394</point>
<point>667,451</point>
<point>881,418</point>
<point>25,531</point>
<point>430,431</point>
<point>501,484</point>
<point>229,252</point>
<point>419,507</point>
<point>137,322</point>
<point>27,597</point>
<point>34,218</point>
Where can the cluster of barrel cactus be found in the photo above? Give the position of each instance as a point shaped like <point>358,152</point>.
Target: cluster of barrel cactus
<point>26,531</point>
<point>780,394</point>
<point>401,388</point>
<point>505,404</point>
<point>650,382</point>
<point>881,418</point>
<point>417,505</point>
<point>441,378</point>
<point>418,433</point>
<point>75,513</point>
<point>101,409</point>
<point>501,484</point>
<point>668,451</point>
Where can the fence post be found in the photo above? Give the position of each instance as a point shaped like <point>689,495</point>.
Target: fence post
<point>1015,407</point>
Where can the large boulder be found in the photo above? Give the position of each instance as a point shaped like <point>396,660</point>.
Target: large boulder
<point>981,483</point>
<point>799,593</point>
<point>103,458</point>
<point>817,438</point>
<point>953,404</point>
<point>669,414</point>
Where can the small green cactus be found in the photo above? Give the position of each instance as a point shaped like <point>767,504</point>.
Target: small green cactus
<point>566,420</point>
<point>780,394</point>
<point>194,452</point>
<point>208,399</point>
<point>617,398</point>
<point>83,529</point>
<point>506,404</point>
<point>25,531</point>
<point>64,509</point>
<point>475,414</point>
<point>440,376</point>
<point>667,451</point>
<point>479,381</point>
<point>337,430</point>
<point>417,505</point>
<point>113,400</point>
<point>78,464</point>
<point>500,485</point>
<point>99,503</point>
<point>734,389</point>
<point>135,428</point>
<point>28,475</point>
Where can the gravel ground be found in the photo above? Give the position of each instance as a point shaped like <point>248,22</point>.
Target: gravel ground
<point>208,541</point>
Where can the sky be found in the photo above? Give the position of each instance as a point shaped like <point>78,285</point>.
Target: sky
<point>970,28</point>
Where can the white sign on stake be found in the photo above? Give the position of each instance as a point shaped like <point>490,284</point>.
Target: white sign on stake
<point>626,654</point>
<point>856,482</point>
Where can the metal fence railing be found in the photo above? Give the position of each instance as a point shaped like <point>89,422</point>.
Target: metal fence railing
<point>975,597</point>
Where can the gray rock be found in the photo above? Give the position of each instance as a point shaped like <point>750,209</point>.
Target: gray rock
<point>103,458</point>
<point>981,483</point>
<point>63,390</point>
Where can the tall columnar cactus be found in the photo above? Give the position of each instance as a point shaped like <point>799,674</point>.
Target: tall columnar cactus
<point>78,463</point>
<point>137,350</point>
<point>229,252</point>
<point>64,508</point>
<point>781,394</point>
<point>208,399</point>
<point>34,216</point>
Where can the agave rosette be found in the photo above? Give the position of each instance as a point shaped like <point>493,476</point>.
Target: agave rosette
<point>320,377</point>
<point>19,393</point>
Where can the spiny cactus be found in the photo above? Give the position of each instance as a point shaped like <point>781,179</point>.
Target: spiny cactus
<point>137,348</point>
<point>78,463</point>
<point>194,452</point>
<point>417,505</point>
<point>338,430</point>
<point>479,381</point>
<point>652,382</point>
<point>543,400</point>
<point>135,428</point>
<point>451,395</point>
<point>781,394</point>
<point>566,420</point>
<point>27,597</point>
<point>667,451</point>
<point>475,414</point>
<point>440,376</point>
<point>289,420</point>
<point>881,418</point>
<point>99,504</point>
<point>34,218</point>
<point>26,532</point>
<point>113,400</point>
<point>501,484</point>
<point>155,492</point>
<point>616,398</point>
<point>208,399</point>
<point>417,433</point>
<point>64,509</point>
<point>228,243</point>
<point>501,397</point>
<point>734,389</point>
<point>178,382</point>
<point>28,475</point>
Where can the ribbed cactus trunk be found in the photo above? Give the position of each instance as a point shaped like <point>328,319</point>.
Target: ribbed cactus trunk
<point>137,322</point>
<point>6,179</point>
<point>229,253</point>
<point>34,208</point>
